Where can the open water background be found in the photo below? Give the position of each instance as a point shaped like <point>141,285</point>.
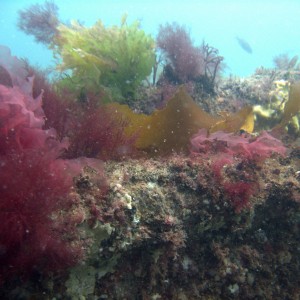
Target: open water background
<point>269,27</point>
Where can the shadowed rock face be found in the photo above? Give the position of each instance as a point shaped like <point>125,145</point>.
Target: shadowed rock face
<point>244,45</point>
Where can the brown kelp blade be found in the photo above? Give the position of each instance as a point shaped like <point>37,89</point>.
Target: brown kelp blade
<point>243,119</point>
<point>170,129</point>
<point>292,106</point>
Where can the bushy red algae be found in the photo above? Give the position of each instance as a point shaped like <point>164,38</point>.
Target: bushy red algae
<point>35,183</point>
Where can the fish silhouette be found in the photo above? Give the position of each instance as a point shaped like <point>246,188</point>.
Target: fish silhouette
<point>244,45</point>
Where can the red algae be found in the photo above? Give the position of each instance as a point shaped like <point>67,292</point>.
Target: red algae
<point>225,149</point>
<point>35,184</point>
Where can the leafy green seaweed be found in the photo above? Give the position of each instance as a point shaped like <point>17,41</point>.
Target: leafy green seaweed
<point>116,58</point>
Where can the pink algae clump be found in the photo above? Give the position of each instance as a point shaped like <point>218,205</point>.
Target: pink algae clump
<point>247,147</point>
<point>224,148</point>
<point>34,183</point>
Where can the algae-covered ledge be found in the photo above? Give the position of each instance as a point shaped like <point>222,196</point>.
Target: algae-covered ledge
<point>179,237</point>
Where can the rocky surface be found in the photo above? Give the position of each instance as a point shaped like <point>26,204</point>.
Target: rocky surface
<point>166,229</point>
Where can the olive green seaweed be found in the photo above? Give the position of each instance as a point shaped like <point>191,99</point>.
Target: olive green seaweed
<point>115,59</point>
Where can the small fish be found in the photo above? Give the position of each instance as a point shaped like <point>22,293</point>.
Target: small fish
<point>244,45</point>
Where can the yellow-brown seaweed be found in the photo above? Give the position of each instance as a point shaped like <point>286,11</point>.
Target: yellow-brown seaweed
<point>170,129</point>
<point>243,119</point>
<point>292,106</point>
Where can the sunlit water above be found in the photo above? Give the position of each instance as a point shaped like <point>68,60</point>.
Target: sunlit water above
<point>268,27</point>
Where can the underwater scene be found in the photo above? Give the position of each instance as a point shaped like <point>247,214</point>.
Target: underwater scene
<point>149,150</point>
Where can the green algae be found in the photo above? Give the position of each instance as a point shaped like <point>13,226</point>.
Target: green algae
<point>115,59</point>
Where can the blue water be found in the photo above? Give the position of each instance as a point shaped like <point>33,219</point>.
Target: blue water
<point>269,27</point>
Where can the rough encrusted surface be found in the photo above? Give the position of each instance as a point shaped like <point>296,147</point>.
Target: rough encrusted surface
<point>166,230</point>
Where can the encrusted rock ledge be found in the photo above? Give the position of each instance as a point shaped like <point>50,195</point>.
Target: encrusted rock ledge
<point>168,229</point>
